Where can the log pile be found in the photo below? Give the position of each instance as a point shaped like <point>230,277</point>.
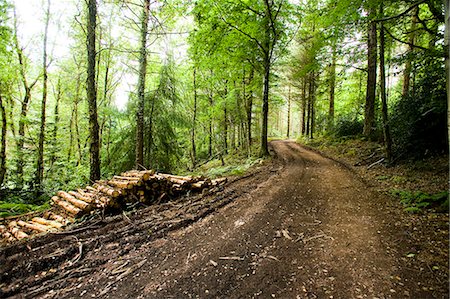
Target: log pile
<point>128,188</point>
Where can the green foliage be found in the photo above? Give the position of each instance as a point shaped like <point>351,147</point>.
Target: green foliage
<point>11,208</point>
<point>419,121</point>
<point>347,126</point>
<point>414,201</point>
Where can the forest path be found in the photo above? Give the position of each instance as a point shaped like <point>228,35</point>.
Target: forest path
<point>312,230</point>
<point>301,226</point>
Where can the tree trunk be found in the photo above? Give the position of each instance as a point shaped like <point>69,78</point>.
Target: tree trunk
<point>3,142</point>
<point>249,109</point>
<point>210,127</point>
<point>225,120</point>
<point>40,161</point>
<point>24,109</point>
<point>303,115</point>
<point>265,106</point>
<point>91,92</point>
<point>288,134</point>
<point>332,88</point>
<point>447,66</point>
<point>369,113</point>
<point>55,125</point>
<point>408,67</point>
<point>308,116</point>
<point>150,163</point>
<point>194,119</point>
<point>384,107</point>
<point>313,108</point>
<point>141,85</point>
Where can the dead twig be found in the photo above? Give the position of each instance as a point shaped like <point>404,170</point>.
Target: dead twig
<point>80,251</point>
<point>318,236</point>
<point>231,258</point>
<point>375,163</point>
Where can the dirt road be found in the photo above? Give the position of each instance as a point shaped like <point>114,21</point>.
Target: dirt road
<point>301,226</point>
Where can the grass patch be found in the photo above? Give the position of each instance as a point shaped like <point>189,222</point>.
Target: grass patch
<point>12,208</point>
<point>415,202</point>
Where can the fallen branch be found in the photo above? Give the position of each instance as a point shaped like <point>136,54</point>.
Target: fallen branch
<point>375,163</point>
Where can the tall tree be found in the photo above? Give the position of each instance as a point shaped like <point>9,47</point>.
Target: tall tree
<point>194,120</point>
<point>91,91</point>
<point>332,83</point>
<point>384,106</point>
<point>141,85</point>
<point>25,104</point>
<point>3,141</point>
<point>369,112</point>
<point>40,159</point>
<point>447,65</point>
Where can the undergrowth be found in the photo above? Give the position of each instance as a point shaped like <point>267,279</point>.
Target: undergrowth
<point>417,201</point>
<point>235,163</point>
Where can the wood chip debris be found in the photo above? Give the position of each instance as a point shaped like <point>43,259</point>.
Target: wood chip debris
<point>231,258</point>
<point>286,234</point>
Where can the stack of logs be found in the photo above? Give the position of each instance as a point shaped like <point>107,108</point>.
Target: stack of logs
<point>130,187</point>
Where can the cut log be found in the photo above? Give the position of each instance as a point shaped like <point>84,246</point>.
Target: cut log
<point>84,197</point>
<point>35,226</point>
<point>67,206</point>
<point>46,222</point>
<point>71,199</point>
<point>106,190</point>
<point>16,231</point>
<point>144,175</point>
<point>219,181</point>
<point>179,177</point>
<point>200,185</point>
<point>121,184</point>
<point>56,217</point>
<point>136,181</point>
<point>6,234</point>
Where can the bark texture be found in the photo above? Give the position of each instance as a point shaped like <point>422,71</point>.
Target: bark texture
<point>141,85</point>
<point>91,91</point>
<point>369,112</point>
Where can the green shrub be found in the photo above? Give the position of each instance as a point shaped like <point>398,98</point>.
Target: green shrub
<point>415,201</point>
<point>347,126</point>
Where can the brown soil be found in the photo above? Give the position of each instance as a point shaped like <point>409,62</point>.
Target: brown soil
<point>300,226</point>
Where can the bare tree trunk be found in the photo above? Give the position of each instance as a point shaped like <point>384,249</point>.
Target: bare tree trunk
<point>313,100</point>
<point>210,127</point>
<point>225,120</point>
<point>249,109</point>
<point>194,119</point>
<point>91,91</point>
<point>303,115</point>
<point>69,153</point>
<point>332,88</point>
<point>265,106</point>
<point>55,125</point>
<point>40,161</point>
<point>384,107</point>
<point>447,66</point>
<point>288,134</point>
<point>150,134</point>
<point>308,117</point>
<point>141,85</point>
<point>3,142</point>
<point>369,113</point>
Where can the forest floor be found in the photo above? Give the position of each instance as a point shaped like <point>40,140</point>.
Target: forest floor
<point>297,226</point>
